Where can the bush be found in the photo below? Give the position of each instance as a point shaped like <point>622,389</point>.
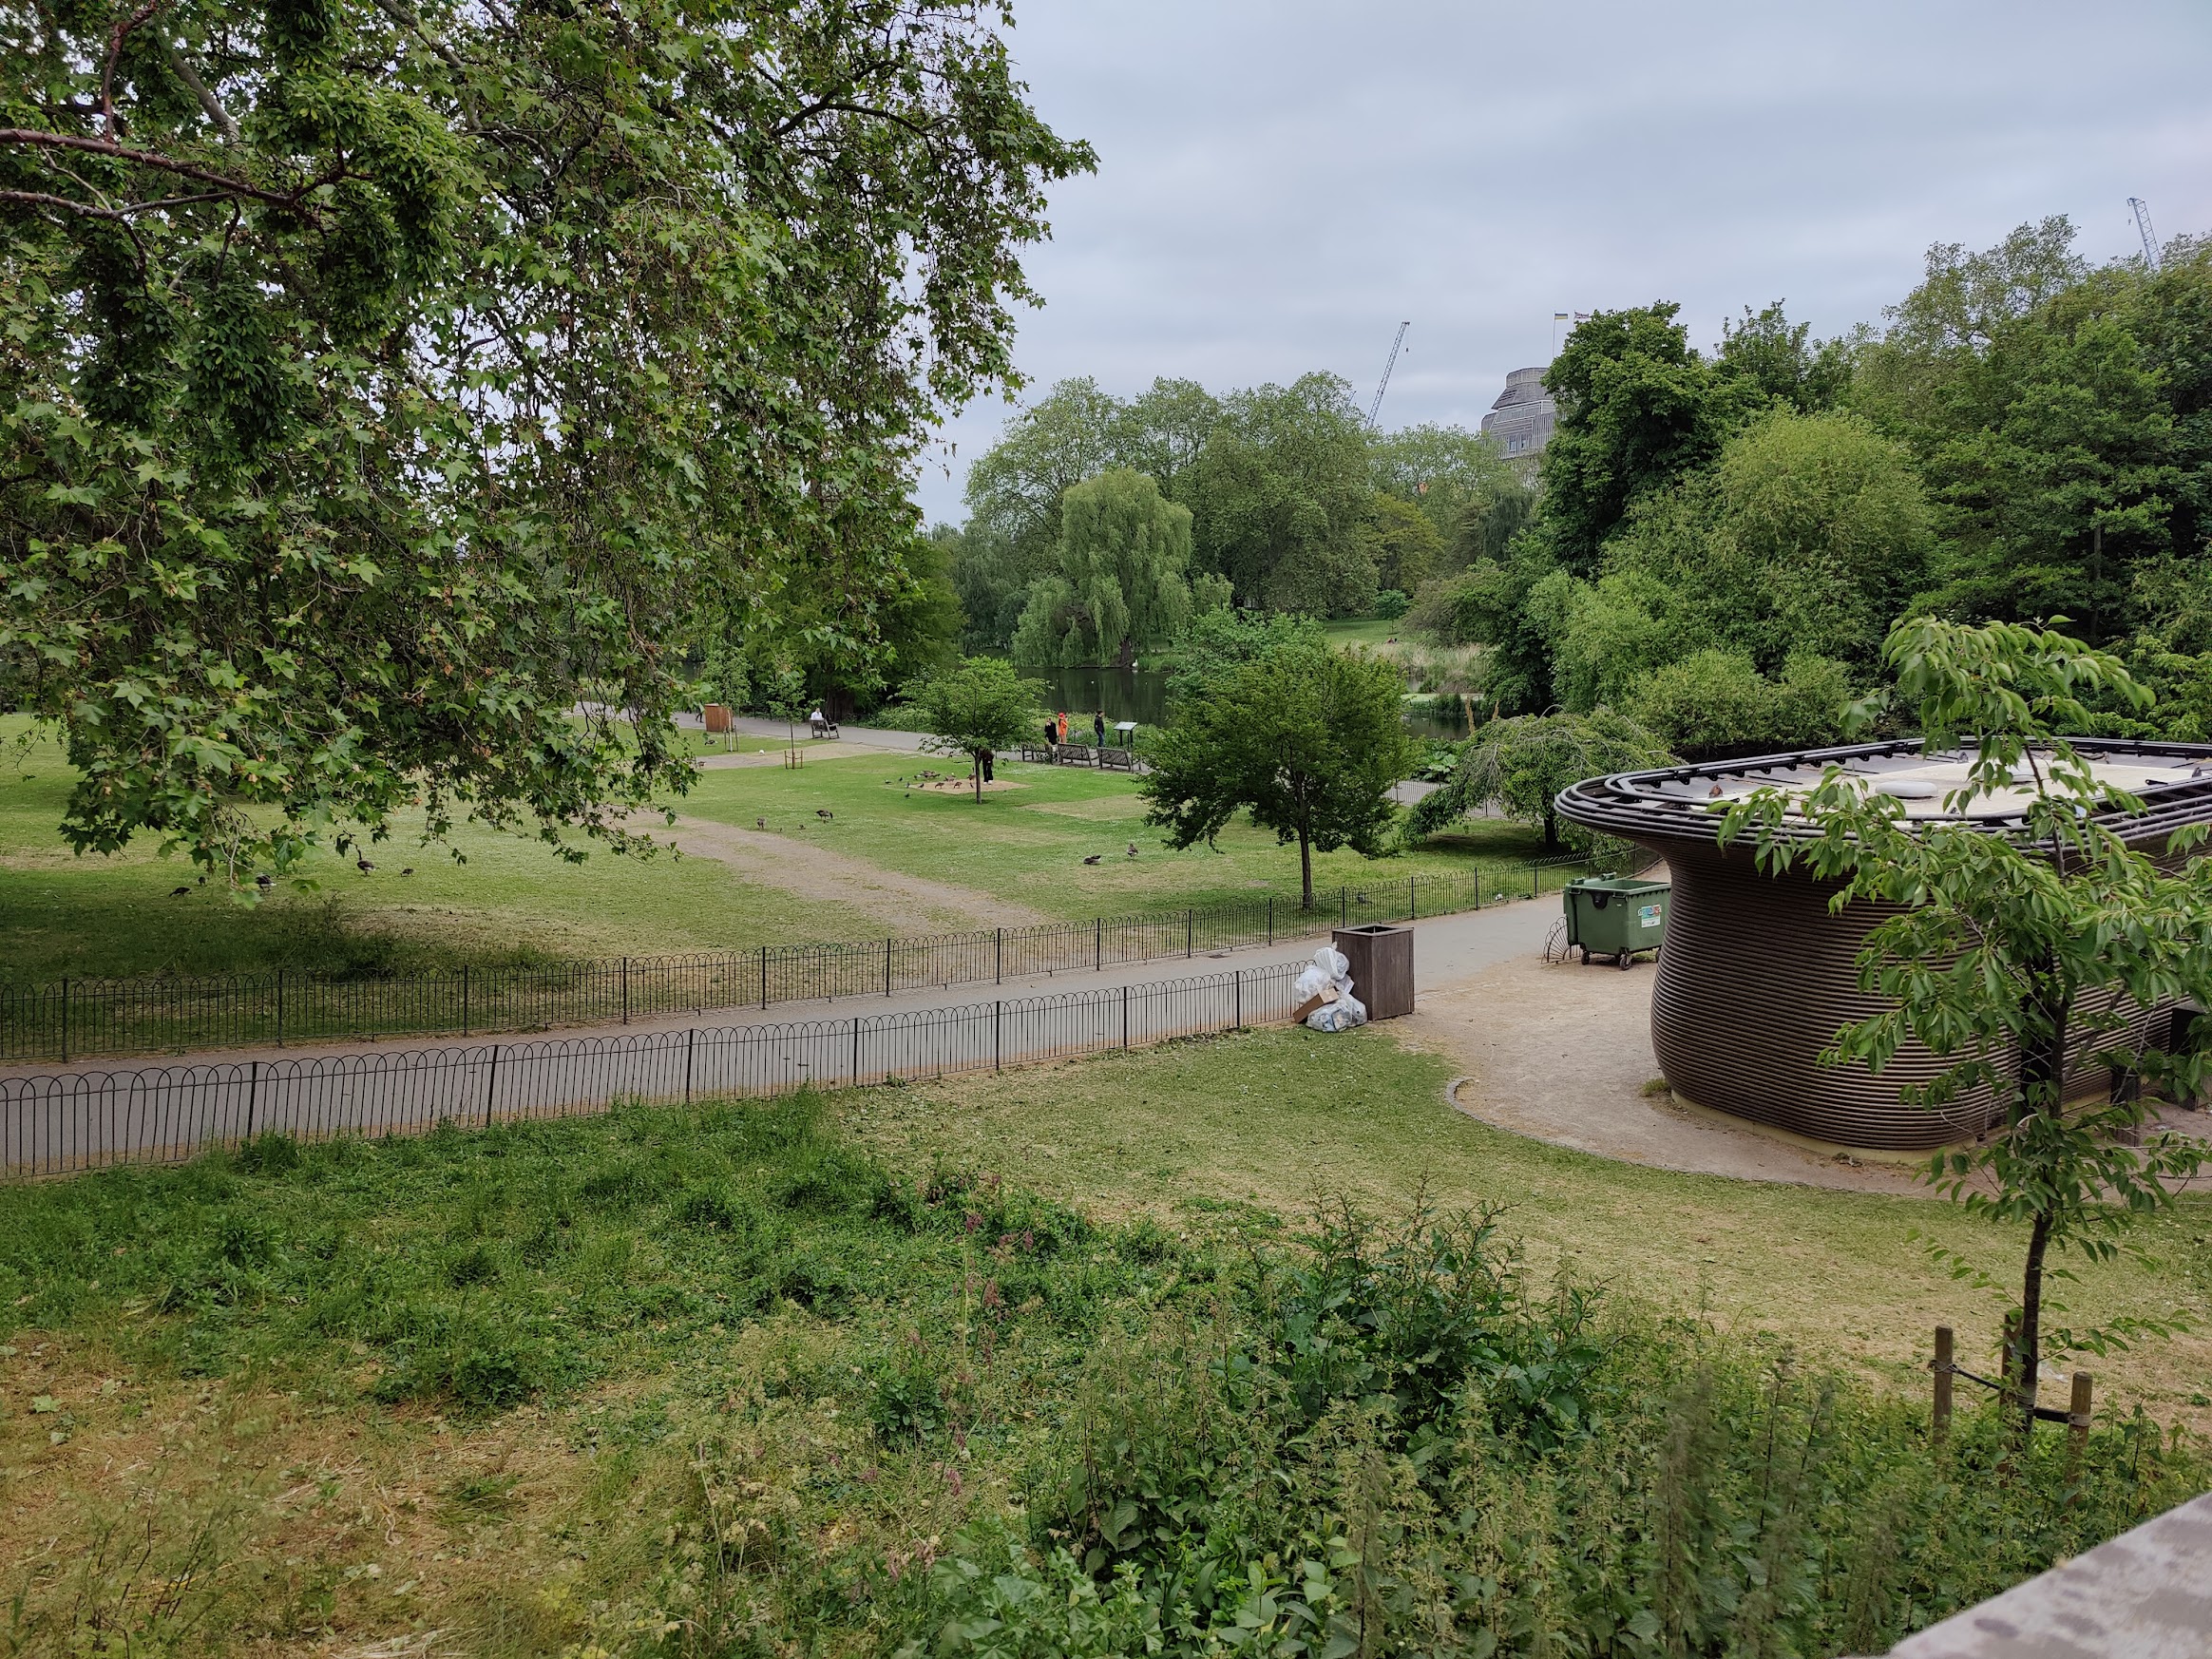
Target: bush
<point>1390,604</point>
<point>1714,705</point>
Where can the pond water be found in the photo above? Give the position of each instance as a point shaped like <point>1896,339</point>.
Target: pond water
<point>1141,695</point>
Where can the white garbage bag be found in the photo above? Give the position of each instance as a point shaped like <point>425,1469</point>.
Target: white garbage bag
<point>1341,1014</point>
<point>1335,963</point>
<point>1310,983</point>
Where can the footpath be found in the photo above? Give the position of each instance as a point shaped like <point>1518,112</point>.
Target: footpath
<point>1447,950</point>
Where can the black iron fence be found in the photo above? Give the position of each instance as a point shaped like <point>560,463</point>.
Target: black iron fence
<point>74,1019</point>
<point>82,1120</point>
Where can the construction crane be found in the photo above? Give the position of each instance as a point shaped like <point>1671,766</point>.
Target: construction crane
<point>2142,228</point>
<point>1375,408</point>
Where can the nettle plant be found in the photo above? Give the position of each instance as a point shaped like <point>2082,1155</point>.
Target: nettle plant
<point>2015,946</point>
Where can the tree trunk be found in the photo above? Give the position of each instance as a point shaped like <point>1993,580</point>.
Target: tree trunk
<point>976,772</point>
<point>2031,1326</point>
<point>2042,1089</point>
<point>1305,865</point>
<point>1551,829</point>
<point>1126,656</point>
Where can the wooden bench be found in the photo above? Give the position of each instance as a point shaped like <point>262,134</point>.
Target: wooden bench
<point>1117,759</point>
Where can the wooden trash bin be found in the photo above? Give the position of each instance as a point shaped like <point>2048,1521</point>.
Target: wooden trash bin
<point>717,716</point>
<point>1381,958</point>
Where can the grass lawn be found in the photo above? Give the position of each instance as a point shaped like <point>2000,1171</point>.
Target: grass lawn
<point>1270,1121</point>
<point>514,898</point>
<point>1030,842</point>
<point>1362,631</point>
<point>797,1378</point>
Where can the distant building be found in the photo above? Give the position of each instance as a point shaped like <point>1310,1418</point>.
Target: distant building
<point>1522,418</point>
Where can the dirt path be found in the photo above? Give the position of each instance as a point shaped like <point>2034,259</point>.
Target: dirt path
<point>903,903</point>
<point>1563,1052</point>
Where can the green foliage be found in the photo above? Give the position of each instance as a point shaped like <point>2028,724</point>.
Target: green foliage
<point>2014,943</point>
<point>1218,642</point>
<point>1306,741</point>
<point>1519,765</point>
<point>1447,472</point>
<point>1713,704</point>
<point>1403,543</point>
<point>1279,497</point>
<point>1638,409</point>
<point>1390,604</point>
<point>1118,581</point>
<point>406,379</point>
<point>976,709</point>
<point>1782,360</point>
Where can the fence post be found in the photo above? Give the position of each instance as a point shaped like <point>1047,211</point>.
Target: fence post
<point>886,967</point>
<point>998,956</point>
<point>691,1040</point>
<point>490,1084</point>
<point>1411,909</point>
<point>279,1008</point>
<point>253,1095</point>
<point>625,990</point>
<point>764,977</point>
<point>1097,943</point>
<point>1271,917</point>
<point>856,1049</point>
<point>1943,1368</point>
<point>2077,1425</point>
<point>1125,1018</point>
<point>1189,931</point>
<point>998,1037</point>
<point>1344,907</point>
<point>1534,878</point>
<point>1239,1026</point>
<point>464,1004</point>
<point>65,1020</point>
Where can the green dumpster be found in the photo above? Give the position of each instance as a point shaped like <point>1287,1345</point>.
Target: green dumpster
<point>1614,916</point>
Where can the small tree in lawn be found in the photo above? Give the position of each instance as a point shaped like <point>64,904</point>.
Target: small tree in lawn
<point>976,709</point>
<point>1520,765</point>
<point>2017,943</point>
<point>1306,739</point>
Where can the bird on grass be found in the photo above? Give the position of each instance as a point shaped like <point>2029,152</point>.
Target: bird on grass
<point>264,881</point>
<point>823,814</point>
<point>1094,858</point>
<point>409,870</point>
<point>1132,849</point>
<point>179,892</point>
<point>363,866</point>
<point>760,823</point>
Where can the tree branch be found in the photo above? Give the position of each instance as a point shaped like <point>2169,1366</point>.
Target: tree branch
<point>62,141</point>
<point>414,25</point>
<point>190,76</point>
<point>122,28</point>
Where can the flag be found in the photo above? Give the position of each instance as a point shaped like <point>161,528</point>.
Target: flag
<point>1558,317</point>
<point>1582,316</point>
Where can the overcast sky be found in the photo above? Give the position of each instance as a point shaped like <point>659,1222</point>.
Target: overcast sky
<point>1280,185</point>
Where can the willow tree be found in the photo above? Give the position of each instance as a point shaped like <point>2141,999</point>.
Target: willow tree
<point>1120,581</point>
<point>382,383</point>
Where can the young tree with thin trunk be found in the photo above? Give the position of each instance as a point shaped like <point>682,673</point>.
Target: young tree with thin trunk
<point>1306,739</point>
<point>975,710</point>
<point>2029,932</point>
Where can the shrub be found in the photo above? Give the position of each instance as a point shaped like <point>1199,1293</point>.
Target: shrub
<point>1390,604</point>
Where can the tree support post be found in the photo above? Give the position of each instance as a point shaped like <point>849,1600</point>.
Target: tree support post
<point>1945,1368</point>
<point>2077,1425</point>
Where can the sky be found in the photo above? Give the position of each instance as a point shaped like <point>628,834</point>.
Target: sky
<point>1280,185</point>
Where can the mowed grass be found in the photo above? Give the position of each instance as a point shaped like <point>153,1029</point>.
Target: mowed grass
<point>1271,1121</point>
<point>1029,842</point>
<point>513,899</point>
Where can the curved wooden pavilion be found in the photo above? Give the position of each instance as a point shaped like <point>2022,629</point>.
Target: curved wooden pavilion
<point>1758,974</point>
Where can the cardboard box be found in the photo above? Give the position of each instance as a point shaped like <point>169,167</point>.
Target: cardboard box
<point>1322,998</point>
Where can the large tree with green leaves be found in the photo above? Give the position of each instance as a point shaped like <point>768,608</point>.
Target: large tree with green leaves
<point>2016,943</point>
<point>381,382</point>
<point>1306,741</point>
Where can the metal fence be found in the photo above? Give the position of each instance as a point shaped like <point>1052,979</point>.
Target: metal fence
<point>76,1020</point>
<point>83,1120</point>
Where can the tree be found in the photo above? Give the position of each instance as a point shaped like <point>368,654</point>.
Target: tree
<point>1638,409</point>
<point>383,382</point>
<point>1163,429</point>
<point>2014,941</point>
<point>1014,493</point>
<point>1784,361</point>
<point>1119,583</point>
<point>1278,497</point>
<point>975,710</point>
<point>1520,764</point>
<point>1400,543</point>
<point>1306,740</point>
<point>1442,470</point>
<point>1219,642</point>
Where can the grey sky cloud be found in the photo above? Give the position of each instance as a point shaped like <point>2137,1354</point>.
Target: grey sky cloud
<point>1280,183</point>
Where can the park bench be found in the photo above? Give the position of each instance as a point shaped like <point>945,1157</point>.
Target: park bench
<point>1036,753</point>
<point>1117,759</point>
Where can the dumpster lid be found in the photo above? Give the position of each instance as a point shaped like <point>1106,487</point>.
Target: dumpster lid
<point>1619,885</point>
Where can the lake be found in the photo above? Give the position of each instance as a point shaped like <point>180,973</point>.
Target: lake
<point>1141,695</point>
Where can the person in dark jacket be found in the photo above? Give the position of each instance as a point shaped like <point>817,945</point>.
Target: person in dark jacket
<point>1098,728</point>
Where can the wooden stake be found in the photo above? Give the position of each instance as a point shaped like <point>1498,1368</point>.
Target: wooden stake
<point>1943,1370</point>
<point>2077,1425</point>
